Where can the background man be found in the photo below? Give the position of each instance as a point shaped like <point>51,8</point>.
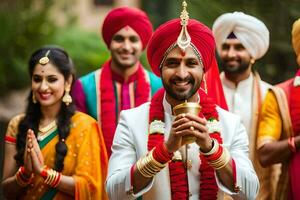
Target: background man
<point>122,82</point>
<point>156,146</point>
<point>241,39</point>
<point>279,129</point>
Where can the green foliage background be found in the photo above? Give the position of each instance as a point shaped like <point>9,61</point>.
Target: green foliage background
<point>23,28</point>
<point>27,25</point>
<point>279,63</point>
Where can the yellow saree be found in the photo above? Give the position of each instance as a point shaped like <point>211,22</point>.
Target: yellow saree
<point>86,160</point>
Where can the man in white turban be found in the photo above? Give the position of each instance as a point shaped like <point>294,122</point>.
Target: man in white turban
<point>241,39</point>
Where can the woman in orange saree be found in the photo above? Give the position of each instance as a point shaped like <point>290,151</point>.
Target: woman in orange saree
<point>52,151</point>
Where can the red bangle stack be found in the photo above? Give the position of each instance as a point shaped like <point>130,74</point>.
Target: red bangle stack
<point>216,155</point>
<point>21,178</point>
<point>51,176</point>
<point>161,154</point>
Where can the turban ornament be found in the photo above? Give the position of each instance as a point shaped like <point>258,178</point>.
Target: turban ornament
<point>167,36</point>
<point>184,39</point>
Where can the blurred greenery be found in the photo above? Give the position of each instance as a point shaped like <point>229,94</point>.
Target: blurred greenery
<point>85,48</point>
<point>279,63</point>
<point>24,27</point>
<point>27,25</point>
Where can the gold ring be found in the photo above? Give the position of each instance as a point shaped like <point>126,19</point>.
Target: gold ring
<point>192,128</point>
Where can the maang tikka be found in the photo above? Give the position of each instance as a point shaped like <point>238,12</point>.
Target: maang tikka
<point>44,60</point>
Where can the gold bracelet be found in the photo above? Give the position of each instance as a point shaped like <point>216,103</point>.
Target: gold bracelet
<point>148,166</point>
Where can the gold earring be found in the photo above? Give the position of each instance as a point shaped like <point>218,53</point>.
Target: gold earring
<point>67,99</point>
<point>252,61</point>
<point>34,99</point>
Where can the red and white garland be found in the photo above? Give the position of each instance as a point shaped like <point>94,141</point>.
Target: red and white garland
<point>178,176</point>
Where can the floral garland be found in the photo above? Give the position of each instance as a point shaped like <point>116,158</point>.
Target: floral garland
<point>178,176</point>
<point>109,112</point>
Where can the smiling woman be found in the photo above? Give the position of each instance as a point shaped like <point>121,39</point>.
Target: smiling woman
<point>43,156</point>
<point>48,85</point>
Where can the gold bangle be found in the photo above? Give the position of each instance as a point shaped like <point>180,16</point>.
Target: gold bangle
<point>222,161</point>
<point>148,166</point>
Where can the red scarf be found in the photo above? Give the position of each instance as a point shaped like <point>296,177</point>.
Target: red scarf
<point>109,112</point>
<point>294,104</point>
<point>179,184</point>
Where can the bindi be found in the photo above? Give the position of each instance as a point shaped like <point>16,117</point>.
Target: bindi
<point>182,53</point>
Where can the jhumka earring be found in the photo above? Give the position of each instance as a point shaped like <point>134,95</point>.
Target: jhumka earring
<point>34,99</point>
<point>67,99</point>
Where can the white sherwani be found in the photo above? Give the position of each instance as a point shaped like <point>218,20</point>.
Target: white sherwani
<point>130,143</point>
<point>240,98</point>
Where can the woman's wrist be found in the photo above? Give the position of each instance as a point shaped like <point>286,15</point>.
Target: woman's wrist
<point>50,176</point>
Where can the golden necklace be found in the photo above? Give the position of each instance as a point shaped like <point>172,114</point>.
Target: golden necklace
<point>47,130</point>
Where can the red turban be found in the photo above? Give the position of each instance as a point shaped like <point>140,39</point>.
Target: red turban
<point>166,35</point>
<point>203,40</point>
<point>121,17</point>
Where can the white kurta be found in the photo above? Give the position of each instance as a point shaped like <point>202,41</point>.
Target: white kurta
<point>130,143</point>
<point>239,98</point>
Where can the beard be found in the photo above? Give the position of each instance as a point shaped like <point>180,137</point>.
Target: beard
<point>181,94</point>
<point>237,69</point>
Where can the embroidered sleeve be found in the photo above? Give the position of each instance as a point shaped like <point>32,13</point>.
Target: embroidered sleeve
<point>12,129</point>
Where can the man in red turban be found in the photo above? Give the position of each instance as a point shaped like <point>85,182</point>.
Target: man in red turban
<point>171,155</point>
<point>202,40</point>
<point>122,82</point>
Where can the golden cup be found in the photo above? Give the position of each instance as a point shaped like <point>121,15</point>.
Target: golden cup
<point>187,107</point>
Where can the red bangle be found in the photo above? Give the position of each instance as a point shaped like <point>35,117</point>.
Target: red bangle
<point>23,174</point>
<point>57,180</point>
<point>161,154</point>
<point>291,144</point>
<point>44,173</point>
<point>216,155</point>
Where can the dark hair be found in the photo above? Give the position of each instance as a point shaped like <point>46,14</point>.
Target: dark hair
<point>60,59</point>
